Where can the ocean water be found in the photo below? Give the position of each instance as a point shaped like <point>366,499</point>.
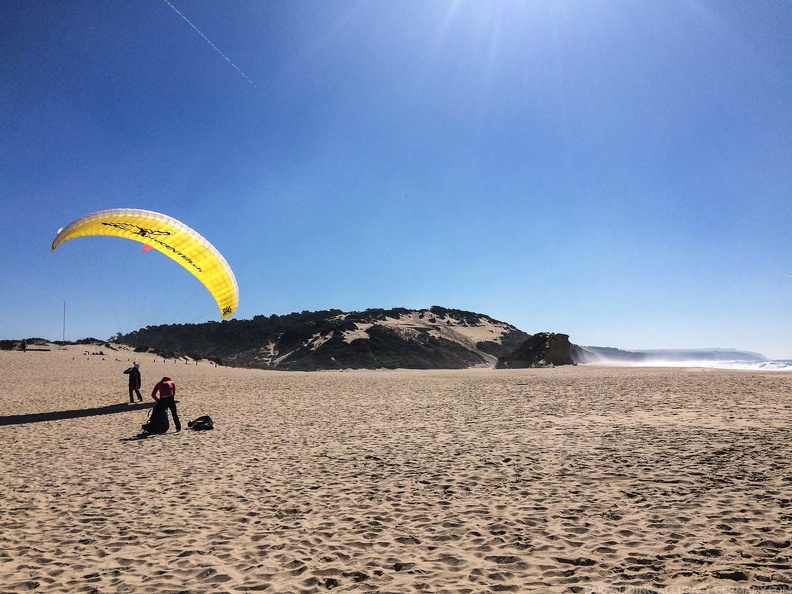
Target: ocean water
<point>770,365</point>
<point>778,365</point>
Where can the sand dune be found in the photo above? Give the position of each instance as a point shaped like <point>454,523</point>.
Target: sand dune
<point>584,479</point>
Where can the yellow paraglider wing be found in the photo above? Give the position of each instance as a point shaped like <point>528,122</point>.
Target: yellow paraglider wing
<point>169,236</point>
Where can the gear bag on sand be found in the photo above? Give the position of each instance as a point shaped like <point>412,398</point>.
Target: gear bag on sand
<point>158,420</point>
<point>204,423</point>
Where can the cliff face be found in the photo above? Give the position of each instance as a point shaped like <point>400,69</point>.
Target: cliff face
<point>544,349</point>
<point>434,338</point>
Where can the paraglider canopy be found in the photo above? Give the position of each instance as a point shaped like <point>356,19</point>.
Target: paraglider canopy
<point>168,236</point>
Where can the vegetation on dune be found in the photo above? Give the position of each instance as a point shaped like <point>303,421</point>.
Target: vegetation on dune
<point>323,340</point>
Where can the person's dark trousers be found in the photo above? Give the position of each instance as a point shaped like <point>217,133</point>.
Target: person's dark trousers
<point>170,402</point>
<point>136,391</point>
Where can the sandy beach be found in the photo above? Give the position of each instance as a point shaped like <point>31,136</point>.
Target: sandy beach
<point>574,479</point>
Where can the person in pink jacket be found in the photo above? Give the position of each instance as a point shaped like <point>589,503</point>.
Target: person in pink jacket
<point>165,395</point>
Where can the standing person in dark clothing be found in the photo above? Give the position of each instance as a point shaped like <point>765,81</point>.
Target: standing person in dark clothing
<point>165,395</point>
<point>134,382</point>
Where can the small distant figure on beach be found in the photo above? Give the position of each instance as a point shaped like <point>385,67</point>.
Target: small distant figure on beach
<point>23,345</point>
<point>134,383</point>
<point>165,395</point>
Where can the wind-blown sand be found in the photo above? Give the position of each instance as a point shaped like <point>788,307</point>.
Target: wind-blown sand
<point>576,479</point>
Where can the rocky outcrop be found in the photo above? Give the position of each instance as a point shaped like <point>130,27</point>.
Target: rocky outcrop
<point>544,349</point>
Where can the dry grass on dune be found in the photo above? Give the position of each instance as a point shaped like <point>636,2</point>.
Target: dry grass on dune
<point>557,480</point>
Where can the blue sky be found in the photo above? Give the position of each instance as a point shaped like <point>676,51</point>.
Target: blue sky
<point>617,171</point>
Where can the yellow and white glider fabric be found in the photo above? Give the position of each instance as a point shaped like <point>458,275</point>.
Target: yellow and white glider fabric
<point>169,236</point>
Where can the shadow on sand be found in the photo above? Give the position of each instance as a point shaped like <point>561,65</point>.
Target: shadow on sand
<point>60,415</point>
<point>139,436</point>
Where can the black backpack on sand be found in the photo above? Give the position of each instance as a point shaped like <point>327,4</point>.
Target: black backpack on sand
<point>158,420</point>
<point>204,423</point>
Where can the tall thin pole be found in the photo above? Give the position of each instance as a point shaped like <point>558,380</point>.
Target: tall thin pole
<point>63,342</point>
